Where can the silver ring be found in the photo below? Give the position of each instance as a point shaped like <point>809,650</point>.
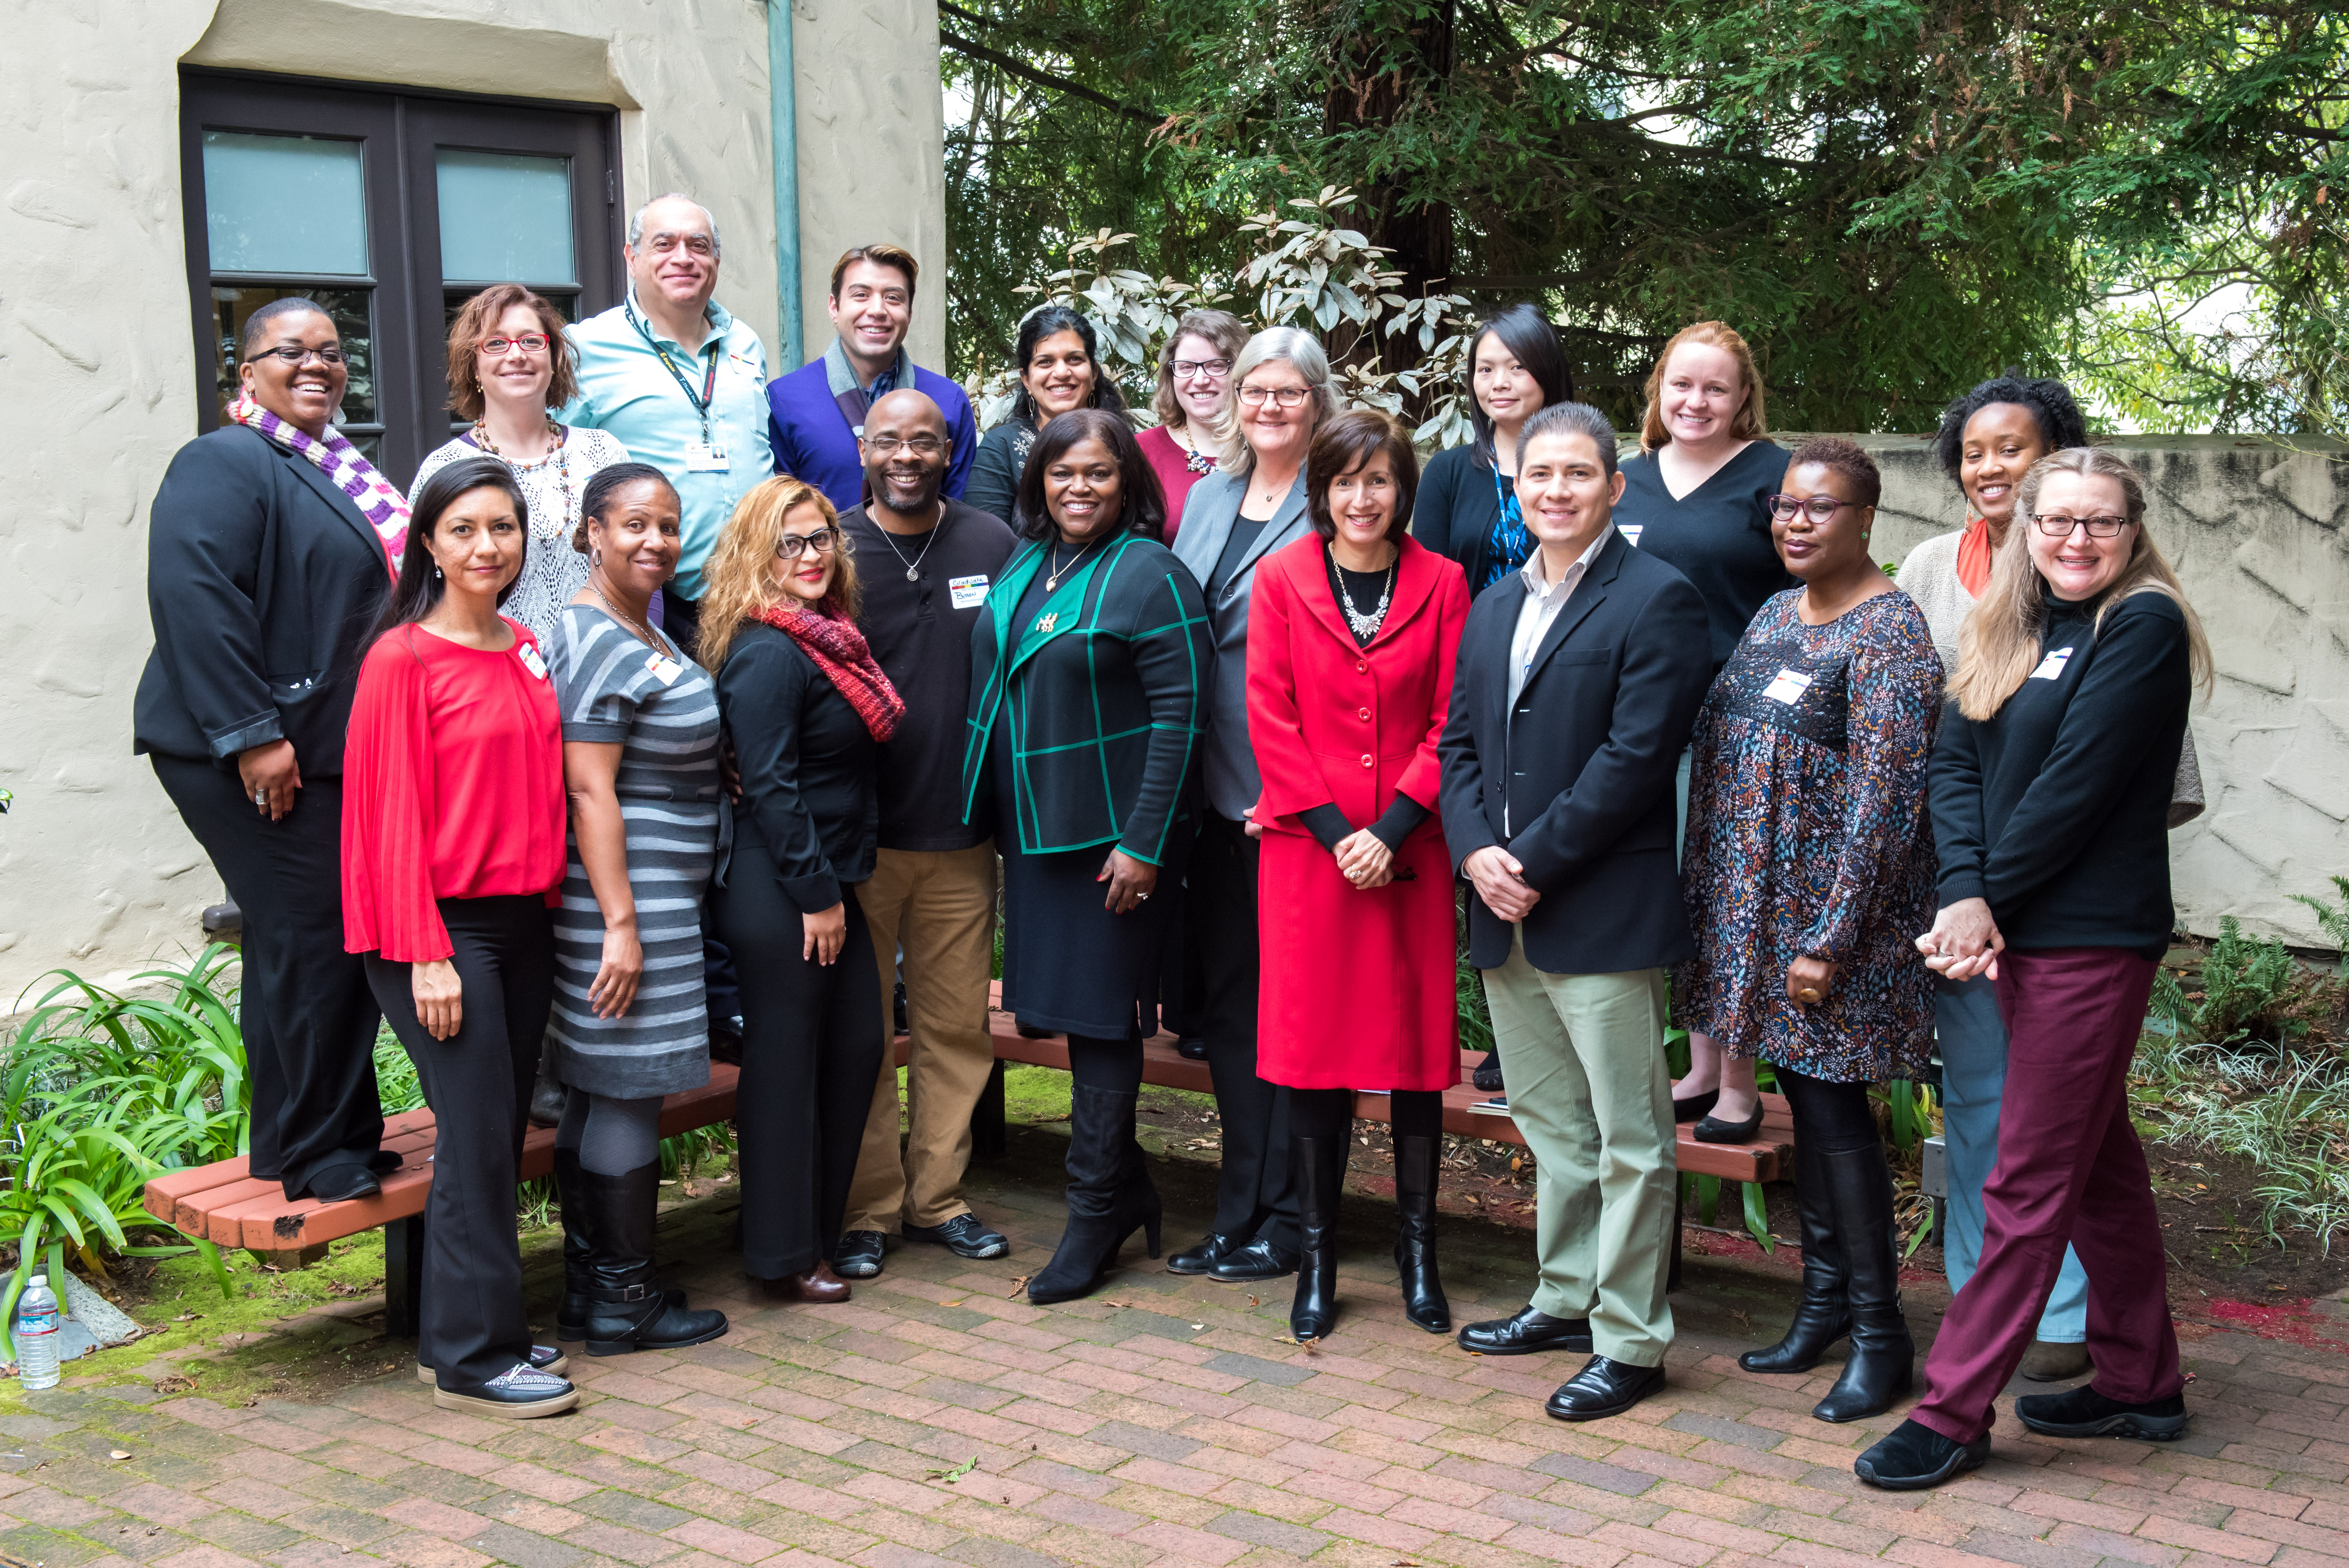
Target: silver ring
<point>261,797</point>
<point>1141,898</point>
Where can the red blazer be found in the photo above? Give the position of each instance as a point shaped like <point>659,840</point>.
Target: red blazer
<point>1332,722</point>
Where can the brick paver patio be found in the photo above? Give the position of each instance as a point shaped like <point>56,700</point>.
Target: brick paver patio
<point>934,1421</point>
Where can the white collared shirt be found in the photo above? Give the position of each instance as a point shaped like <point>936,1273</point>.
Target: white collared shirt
<point>1544,600</point>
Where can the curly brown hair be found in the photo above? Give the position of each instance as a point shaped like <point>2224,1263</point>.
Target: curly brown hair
<point>475,322</point>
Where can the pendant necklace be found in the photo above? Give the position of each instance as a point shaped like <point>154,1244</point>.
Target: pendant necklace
<point>651,638</point>
<point>913,567</point>
<point>1052,578</point>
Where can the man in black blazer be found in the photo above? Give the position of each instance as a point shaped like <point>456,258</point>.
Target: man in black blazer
<point>1578,682</point>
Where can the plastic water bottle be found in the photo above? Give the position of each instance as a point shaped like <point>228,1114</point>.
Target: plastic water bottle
<point>36,1335</point>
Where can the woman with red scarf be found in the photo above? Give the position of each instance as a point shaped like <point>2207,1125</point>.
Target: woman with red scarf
<point>805,704</point>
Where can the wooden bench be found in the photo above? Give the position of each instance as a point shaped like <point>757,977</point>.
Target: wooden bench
<point>223,1203</point>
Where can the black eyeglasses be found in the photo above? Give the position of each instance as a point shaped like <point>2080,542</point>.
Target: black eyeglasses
<point>917,446</point>
<point>2056,525</point>
<point>294,354</point>
<point>1187,368</point>
<point>792,546</point>
<point>1817,508</point>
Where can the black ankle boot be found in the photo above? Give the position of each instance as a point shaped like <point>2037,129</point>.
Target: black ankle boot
<point>1824,1314</point>
<point>627,1311</point>
<point>578,1242</point>
<point>1317,1173</point>
<point>1110,1195</point>
<point>1883,1362</point>
<point>1416,1169</point>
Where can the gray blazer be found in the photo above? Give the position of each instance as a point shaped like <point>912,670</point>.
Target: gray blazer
<point>1232,784</point>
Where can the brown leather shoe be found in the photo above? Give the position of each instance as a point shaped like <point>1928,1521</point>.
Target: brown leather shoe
<point>2048,1361</point>
<point>819,1285</point>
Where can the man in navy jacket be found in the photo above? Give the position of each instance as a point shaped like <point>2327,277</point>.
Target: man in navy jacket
<point>816,414</point>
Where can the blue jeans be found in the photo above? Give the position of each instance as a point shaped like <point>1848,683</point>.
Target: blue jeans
<point>1973,1075</point>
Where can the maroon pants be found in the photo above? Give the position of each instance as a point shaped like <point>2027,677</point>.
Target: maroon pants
<point>2069,1169</point>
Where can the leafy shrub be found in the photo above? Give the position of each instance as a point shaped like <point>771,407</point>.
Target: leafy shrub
<point>2249,989</point>
<point>2333,919</point>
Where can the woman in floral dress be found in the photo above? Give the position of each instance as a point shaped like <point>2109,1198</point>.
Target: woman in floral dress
<point>1808,873</point>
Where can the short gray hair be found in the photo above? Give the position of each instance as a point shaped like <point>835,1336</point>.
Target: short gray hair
<point>1571,419</point>
<point>637,223</point>
<point>1301,351</point>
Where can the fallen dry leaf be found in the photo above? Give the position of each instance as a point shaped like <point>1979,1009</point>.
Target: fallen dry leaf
<point>120,1454</point>
<point>1017,1286</point>
<point>955,1302</point>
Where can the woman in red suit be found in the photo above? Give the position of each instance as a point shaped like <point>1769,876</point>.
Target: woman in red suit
<point>1350,645</point>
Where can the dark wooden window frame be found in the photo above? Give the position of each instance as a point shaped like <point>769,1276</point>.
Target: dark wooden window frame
<point>399,129</point>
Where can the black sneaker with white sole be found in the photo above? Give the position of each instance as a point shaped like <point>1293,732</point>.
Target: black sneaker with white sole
<point>542,1358</point>
<point>965,1236</point>
<point>518,1393</point>
<point>2083,1412</point>
<point>858,1255</point>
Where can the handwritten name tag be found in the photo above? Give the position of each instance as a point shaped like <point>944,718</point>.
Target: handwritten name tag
<point>528,654</point>
<point>1787,686</point>
<point>968,592</point>
<point>2051,666</point>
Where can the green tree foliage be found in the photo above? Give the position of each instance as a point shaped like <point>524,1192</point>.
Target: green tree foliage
<point>1891,198</point>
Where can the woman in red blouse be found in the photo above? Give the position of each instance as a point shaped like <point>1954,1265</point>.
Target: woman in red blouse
<point>1350,645</point>
<point>452,844</point>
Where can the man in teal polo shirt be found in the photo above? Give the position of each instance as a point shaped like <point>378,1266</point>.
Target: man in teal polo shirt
<point>680,383</point>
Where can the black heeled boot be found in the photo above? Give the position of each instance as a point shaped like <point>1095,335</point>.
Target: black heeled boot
<point>1883,1362</point>
<point>1110,1196</point>
<point>1824,1314</point>
<point>578,1242</point>
<point>627,1311</point>
<point>1317,1172</point>
<point>1416,1170</point>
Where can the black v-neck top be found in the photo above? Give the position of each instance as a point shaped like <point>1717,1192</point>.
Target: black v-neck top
<point>1717,536</point>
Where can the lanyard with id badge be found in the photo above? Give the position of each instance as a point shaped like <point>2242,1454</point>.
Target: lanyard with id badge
<point>706,456</point>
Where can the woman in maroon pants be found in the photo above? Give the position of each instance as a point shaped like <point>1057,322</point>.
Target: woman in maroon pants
<point>2050,794</point>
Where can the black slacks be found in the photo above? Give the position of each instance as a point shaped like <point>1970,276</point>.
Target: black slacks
<point>722,987</point>
<point>308,1020</point>
<point>1252,1191</point>
<point>477,1082</point>
<point>811,1042</point>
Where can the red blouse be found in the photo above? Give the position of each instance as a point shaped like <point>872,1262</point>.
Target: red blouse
<point>452,788</point>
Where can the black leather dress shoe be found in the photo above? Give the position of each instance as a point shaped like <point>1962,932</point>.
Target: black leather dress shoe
<point>965,1236</point>
<point>1714,1130</point>
<point>1527,1332</point>
<point>858,1256</point>
<point>1198,1260</point>
<point>1191,1048</point>
<point>1487,1076</point>
<point>340,1183</point>
<point>1913,1456</point>
<point>1603,1387</point>
<point>1695,1106</point>
<point>1259,1260</point>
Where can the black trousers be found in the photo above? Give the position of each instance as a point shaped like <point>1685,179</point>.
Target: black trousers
<point>811,1042</point>
<point>308,1020</point>
<point>1252,1191</point>
<point>722,988</point>
<point>478,1083</point>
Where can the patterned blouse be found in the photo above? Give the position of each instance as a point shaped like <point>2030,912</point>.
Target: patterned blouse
<point>1807,837</point>
<point>552,572</point>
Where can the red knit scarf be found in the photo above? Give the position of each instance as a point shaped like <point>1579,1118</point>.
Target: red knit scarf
<point>841,652</point>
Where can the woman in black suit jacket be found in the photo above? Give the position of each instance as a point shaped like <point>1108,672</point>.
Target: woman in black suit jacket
<point>263,575</point>
<point>806,707</point>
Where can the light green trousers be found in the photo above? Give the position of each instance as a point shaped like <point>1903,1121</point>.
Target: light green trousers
<point>1583,1056</point>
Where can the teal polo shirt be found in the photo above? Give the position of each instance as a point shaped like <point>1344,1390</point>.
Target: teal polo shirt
<point>623,387</point>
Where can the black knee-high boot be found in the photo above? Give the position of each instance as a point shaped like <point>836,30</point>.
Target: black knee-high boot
<point>1883,1357</point>
<point>1416,1165</point>
<point>1110,1195</point>
<point>1824,1314</point>
<point>579,1244</point>
<point>1317,1173</point>
<point>627,1310</point>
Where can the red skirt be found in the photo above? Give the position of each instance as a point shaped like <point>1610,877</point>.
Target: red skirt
<point>1357,986</point>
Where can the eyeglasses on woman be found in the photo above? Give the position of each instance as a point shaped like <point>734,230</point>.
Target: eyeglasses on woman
<point>792,546</point>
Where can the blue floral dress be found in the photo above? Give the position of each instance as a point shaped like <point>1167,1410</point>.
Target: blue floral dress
<point>1808,836</point>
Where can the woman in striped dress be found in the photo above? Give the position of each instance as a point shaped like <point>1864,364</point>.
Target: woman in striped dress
<point>640,765</point>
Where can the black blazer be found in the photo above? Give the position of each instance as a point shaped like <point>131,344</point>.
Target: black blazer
<point>1583,769</point>
<point>1456,508</point>
<point>807,767</point>
<point>262,580</point>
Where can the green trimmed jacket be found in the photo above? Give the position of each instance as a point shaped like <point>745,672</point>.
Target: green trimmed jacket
<point>1101,690</point>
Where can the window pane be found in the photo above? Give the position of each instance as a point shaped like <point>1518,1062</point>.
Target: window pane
<point>453,301</point>
<point>346,308</point>
<point>504,218</point>
<point>284,204</point>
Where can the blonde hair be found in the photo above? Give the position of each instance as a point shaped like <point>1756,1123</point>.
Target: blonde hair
<point>739,573</point>
<point>1220,329</point>
<point>1999,645</point>
<point>1750,424</point>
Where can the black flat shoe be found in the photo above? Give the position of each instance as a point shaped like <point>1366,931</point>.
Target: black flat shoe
<point>1915,1457</point>
<point>1529,1332</point>
<point>965,1236</point>
<point>542,1358</point>
<point>1695,1105</point>
<point>1259,1260</point>
<point>1712,1130</point>
<point>341,1183</point>
<point>1603,1388</point>
<point>1036,1032</point>
<point>1487,1076</point>
<point>1192,1049</point>
<point>858,1256</point>
<point>1198,1260</point>
<point>2083,1412</point>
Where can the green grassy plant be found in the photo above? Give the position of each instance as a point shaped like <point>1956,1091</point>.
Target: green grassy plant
<point>2283,1107</point>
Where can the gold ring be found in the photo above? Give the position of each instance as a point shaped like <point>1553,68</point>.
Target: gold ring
<point>1807,995</point>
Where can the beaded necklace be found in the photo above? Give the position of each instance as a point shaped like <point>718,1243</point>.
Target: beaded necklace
<point>558,457</point>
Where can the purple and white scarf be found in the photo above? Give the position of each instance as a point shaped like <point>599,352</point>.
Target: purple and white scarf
<point>377,497</point>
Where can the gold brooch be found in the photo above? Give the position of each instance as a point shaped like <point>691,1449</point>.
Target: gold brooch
<point>1048,622</point>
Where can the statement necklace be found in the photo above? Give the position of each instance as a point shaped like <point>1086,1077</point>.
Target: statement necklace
<point>1196,460</point>
<point>558,457</point>
<point>1364,626</point>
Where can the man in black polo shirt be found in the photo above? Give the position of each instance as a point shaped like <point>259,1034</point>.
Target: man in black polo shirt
<point>925,564</point>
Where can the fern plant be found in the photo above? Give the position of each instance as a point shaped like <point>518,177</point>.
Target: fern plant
<point>2333,919</point>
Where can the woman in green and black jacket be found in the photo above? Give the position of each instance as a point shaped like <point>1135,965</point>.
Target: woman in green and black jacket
<point>1083,740</point>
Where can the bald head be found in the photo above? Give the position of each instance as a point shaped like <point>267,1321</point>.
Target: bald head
<point>905,447</point>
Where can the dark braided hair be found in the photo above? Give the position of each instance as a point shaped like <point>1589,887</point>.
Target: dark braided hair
<point>2061,424</point>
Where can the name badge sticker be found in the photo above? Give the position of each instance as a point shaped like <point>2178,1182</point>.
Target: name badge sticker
<point>2051,666</point>
<point>706,457</point>
<point>968,592</point>
<point>1631,533</point>
<point>1787,686</point>
<point>528,652</point>
<point>665,669</point>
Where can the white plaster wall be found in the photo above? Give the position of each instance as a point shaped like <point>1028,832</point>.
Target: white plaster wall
<point>98,386</point>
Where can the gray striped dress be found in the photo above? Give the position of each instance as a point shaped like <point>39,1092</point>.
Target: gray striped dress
<point>611,690</point>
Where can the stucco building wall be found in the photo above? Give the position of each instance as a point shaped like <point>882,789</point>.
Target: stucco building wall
<point>98,386</point>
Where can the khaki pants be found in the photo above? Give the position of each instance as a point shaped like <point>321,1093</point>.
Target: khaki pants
<point>939,905</point>
<point>1583,1056</point>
